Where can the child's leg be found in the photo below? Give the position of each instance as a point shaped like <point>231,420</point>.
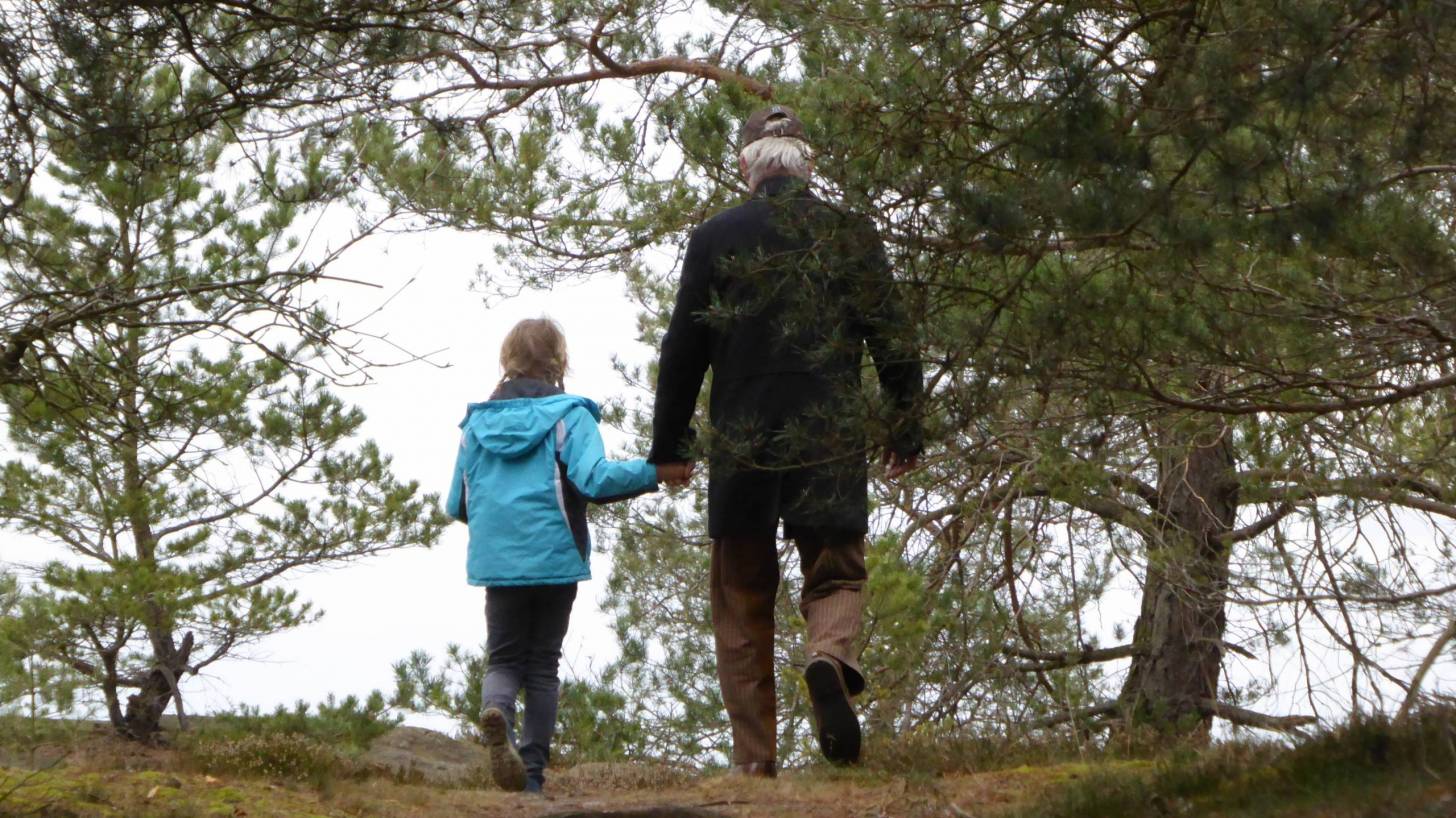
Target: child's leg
<point>507,645</point>
<point>543,685</point>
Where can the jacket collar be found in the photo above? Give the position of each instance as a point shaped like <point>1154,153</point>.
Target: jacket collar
<point>524,388</point>
<point>780,185</point>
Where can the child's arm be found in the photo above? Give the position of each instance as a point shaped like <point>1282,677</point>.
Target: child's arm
<point>598,479</point>
<point>455,503</point>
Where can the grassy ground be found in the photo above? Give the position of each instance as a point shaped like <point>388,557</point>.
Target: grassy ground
<point>1360,771</point>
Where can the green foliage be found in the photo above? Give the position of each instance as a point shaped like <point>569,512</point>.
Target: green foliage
<point>182,444</point>
<point>932,751</point>
<point>347,724</point>
<point>310,744</point>
<point>1124,230</point>
<point>285,756</point>
<point>33,689</point>
<point>1366,767</point>
<point>1133,239</point>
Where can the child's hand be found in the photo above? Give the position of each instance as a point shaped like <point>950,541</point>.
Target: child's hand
<point>676,475</point>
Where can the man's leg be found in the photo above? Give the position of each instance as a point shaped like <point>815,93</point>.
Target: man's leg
<point>832,603</point>
<point>744,580</point>
<point>832,600</point>
<point>551,616</point>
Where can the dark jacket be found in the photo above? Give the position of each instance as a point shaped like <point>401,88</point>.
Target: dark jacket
<point>780,296</point>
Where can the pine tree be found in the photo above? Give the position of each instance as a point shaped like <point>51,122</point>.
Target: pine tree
<point>1184,275</point>
<point>187,453</point>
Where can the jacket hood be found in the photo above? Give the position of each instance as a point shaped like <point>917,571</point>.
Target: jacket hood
<point>511,427</point>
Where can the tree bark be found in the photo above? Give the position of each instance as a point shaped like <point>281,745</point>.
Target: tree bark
<point>144,708</point>
<point>109,685</point>
<point>1180,627</point>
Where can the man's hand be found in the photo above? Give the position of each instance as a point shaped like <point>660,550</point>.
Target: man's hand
<point>676,475</point>
<point>896,465</point>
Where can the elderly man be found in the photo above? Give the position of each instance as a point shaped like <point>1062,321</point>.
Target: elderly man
<point>780,296</point>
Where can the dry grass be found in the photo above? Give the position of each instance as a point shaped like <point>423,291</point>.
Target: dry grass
<point>1368,770</point>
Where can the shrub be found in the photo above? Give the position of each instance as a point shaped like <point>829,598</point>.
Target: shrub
<point>348,725</point>
<point>1371,765</point>
<point>275,755</point>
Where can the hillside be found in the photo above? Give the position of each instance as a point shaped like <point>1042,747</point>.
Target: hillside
<point>1358,772</point>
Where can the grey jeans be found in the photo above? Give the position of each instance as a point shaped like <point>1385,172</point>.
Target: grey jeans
<point>525,626</point>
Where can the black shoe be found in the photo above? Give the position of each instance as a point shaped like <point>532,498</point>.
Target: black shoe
<point>834,715</point>
<point>535,786</point>
<point>506,767</point>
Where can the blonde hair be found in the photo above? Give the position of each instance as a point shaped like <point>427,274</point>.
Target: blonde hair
<point>534,348</point>
<point>776,156</point>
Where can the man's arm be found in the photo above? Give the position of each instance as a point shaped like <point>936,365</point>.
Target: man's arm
<point>683,360</point>
<point>890,336</point>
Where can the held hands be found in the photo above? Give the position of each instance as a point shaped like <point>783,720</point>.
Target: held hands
<point>675,475</point>
<point>897,465</point>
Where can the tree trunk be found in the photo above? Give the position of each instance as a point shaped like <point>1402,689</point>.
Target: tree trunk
<point>144,708</point>
<point>1181,625</point>
<point>109,685</point>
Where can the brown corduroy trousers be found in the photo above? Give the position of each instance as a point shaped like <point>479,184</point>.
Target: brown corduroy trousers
<point>745,579</point>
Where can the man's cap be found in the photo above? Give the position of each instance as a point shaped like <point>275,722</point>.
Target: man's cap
<point>775,120</point>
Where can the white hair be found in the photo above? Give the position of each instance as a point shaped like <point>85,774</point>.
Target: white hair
<point>776,156</point>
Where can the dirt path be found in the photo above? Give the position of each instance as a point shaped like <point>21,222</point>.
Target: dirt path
<point>72,793</point>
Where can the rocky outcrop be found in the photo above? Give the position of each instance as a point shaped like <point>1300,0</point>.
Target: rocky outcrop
<point>417,754</point>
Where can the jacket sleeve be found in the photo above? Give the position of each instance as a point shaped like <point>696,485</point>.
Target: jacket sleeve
<point>890,336</point>
<point>598,479</point>
<point>455,501</point>
<point>684,358</point>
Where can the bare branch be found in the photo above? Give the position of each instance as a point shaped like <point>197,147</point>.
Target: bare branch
<point>1249,718</point>
<point>1413,695</point>
<point>1103,709</point>
<point>1052,660</point>
<point>610,70</point>
<point>1259,526</point>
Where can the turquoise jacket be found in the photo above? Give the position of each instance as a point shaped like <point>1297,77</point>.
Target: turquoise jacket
<point>530,459</point>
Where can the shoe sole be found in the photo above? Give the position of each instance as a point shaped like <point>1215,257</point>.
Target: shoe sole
<point>506,767</point>
<point>838,725</point>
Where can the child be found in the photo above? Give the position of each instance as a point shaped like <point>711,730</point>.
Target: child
<point>530,459</point>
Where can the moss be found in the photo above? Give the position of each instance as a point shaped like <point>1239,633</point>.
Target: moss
<point>1362,771</point>
<point>1371,767</point>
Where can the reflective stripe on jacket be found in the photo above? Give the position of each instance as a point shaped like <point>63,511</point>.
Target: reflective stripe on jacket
<point>530,459</point>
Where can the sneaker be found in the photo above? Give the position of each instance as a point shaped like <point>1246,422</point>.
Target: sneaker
<point>535,786</point>
<point>833,714</point>
<point>506,767</point>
